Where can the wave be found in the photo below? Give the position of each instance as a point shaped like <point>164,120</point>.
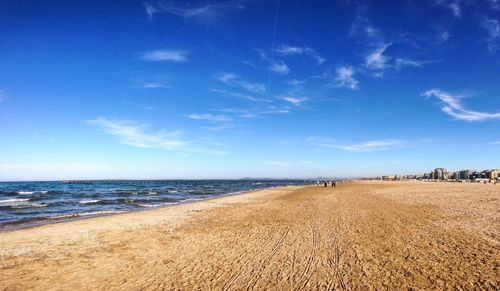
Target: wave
<point>32,192</point>
<point>156,205</point>
<point>152,193</point>
<point>102,212</point>
<point>27,205</point>
<point>89,201</point>
<point>10,201</point>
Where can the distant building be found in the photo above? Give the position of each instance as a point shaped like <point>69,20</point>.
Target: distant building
<point>493,175</point>
<point>440,174</point>
<point>465,174</point>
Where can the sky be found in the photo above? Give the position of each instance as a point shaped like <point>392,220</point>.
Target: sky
<point>255,88</point>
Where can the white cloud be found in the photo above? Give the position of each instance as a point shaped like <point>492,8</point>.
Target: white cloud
<point>293,50</point>
<point>345,78</point>
<point>227,78</point>
<point>492,26</point>
<point>239,95</point>
<point>400,63</point>
<point>165,55</point>
<point>495,4</point>
<point>294,100</point>
<point>249,115</point>
<point>233,80</point>
<point>276,66</point>
<point>134,134</point>
<point>210,117</point>
<point>368,146</point>
<point>495,143</point>
<point>274,110</point>
<point>218,127</point>
<point>295,82</point>
<point>279,67</point>
<point>204,12</point>
<point>154,85</point>
<point>376,59</point>
<point>362,26</point>
<point>452,106</point>
<point>454,6</point>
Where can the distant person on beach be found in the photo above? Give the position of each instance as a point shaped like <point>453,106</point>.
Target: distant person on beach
<point>326,184</point>
<point>334,184</point>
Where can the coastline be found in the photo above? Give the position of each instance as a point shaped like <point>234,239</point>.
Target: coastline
<point>15,226</point>
<point>360,235</point>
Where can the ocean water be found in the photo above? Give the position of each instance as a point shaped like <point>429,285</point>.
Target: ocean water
<point>28,203</point>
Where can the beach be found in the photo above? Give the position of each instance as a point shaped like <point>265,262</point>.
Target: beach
<point>359,235</point>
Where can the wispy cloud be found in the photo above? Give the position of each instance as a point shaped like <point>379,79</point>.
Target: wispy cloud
<point>400,63</point>
<point>345,77</point>
<point>276,66</point>
<point>495,143</point>
<point>495,4</point>
<point>376,60</point>
<point>294,50</point>
<point>275,110</point>
<point>279,67</point>
<point>295,82</point>
<point>218,127</point>
<point>367,146</point>
<point>134,134</point>
<point>363,27</point>
<point>154,85</point>
<point>239,95</point>
<point>453,106</point>
<point>453,5</point>
<point>157,82</point>
<point>294,100</point>
<point>166,55</point>
<point>492,26</point>
<point>209,117</point>
<point>235,81</point>
<point>208,12</point>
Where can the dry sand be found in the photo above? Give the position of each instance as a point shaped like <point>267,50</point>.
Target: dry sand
<point>361,235</point>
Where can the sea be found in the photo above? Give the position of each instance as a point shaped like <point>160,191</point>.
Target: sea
<point>25,204</point>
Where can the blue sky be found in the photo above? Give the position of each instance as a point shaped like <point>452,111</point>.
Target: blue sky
<point>230,89</point>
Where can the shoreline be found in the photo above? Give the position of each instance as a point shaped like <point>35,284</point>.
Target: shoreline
<point>359,235</point>
<point>16,226</point>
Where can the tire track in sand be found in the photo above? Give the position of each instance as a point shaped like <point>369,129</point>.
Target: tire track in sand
<point>334,263</point>
<point>306,274</point>
<point>253,281</point>
<point>264,241</point>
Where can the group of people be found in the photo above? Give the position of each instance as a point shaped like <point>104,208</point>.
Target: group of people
<point>332,183</point>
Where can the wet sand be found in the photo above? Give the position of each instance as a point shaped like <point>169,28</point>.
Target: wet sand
<point>360,235</point>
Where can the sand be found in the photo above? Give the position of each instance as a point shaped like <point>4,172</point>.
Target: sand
<point>360,235</point>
